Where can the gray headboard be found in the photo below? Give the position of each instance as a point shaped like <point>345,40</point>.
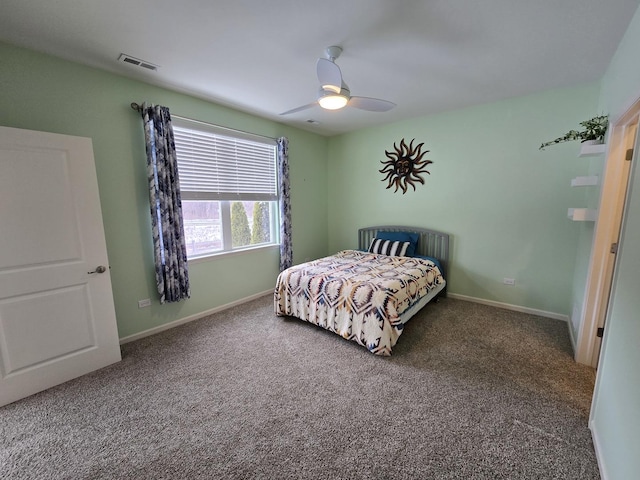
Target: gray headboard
<point>432,243</point>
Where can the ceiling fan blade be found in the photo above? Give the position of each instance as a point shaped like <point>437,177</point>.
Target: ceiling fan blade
<point>299,109</point>
<point>371,104</point>
<point>329,75</point>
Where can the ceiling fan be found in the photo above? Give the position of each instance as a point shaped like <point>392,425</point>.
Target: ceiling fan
<point>334,93</point>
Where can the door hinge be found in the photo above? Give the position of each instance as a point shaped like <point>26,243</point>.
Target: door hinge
<point>614,248</point>
<point>600,332</point>
<point>629,154</point>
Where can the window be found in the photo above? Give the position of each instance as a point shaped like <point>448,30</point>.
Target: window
<point>228,185</point>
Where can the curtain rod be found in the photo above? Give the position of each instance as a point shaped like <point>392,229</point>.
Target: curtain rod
<point>138,108</point>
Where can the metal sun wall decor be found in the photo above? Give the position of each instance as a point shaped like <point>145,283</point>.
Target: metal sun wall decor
<point>404,166</point>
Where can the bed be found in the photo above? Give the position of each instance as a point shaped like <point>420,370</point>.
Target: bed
<point>368,295</point>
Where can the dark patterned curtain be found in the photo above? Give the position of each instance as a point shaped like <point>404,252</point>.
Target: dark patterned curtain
<point>170,251</point>
<point>286,248</point>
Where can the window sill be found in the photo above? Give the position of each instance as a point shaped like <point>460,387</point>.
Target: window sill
<point>231,253</point>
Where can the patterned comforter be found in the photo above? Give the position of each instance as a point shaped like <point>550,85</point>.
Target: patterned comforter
<point>357,295</point>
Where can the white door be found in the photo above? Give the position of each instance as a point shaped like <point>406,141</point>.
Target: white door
<point>630,140</point>
<point>57,318</point>
<point>602,261</point>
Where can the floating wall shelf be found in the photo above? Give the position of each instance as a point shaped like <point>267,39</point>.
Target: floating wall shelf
<point>587,150</point>
<point>582,214</point>
<point>586,214</point>
<point>589,181</point>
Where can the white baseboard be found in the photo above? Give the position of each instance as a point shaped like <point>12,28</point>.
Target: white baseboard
<point>508,306</point>
<point>596,447</point>
<point>191,318</point>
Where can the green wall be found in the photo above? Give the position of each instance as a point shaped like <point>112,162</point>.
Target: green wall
<point>40,92</point>
<point>503,200</point>
<point>615,414</point>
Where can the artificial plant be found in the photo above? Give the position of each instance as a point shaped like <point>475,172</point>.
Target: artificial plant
<point>594,129</point>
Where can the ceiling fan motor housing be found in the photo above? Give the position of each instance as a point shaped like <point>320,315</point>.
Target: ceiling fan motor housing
<point>333,52</point>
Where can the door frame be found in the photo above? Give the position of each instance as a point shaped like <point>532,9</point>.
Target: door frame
<point>607,231</point>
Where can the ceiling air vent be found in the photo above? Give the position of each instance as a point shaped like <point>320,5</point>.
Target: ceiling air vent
<point>137,62</point>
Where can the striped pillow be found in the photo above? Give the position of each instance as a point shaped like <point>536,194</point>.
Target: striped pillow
<point>389,247</point>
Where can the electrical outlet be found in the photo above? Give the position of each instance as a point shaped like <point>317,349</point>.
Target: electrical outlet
<point>144,303</point>
<point>509,281</point>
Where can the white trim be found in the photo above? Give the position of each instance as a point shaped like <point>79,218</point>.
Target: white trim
<point>616,174</point>
<point>256,137</point>
<point>596,446</point>
<point>508,306</point>
<point>190,318</point>
<point>572,336</point>
<point>457,296</point>
<point>230,253</point>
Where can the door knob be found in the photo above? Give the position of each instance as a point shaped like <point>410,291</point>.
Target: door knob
<point>99,269</point>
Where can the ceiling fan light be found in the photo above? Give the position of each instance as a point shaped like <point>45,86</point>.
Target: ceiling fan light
<point>332,101</point>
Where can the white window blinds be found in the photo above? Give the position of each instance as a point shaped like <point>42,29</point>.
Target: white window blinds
<point>214,166</point>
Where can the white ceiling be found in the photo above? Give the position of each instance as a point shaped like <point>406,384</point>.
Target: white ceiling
<point>259,56</point>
